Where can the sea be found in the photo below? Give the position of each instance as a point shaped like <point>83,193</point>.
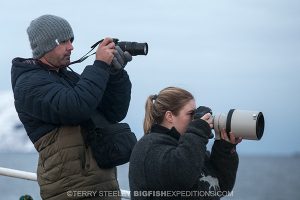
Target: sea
<point>258,178</point>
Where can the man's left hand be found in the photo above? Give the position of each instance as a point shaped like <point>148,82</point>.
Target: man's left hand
<point>120,59</point>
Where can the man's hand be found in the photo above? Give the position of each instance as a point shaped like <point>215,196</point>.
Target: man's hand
<point>120,59</point>
<point>105,51</point>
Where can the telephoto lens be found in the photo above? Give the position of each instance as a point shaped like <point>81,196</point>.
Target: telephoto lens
<point>242,123</point>
<point>134,48</point>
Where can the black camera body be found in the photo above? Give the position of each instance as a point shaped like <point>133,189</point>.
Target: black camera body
<point>134,48</point>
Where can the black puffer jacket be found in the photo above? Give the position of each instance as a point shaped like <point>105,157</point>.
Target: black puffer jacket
<point>165,165</point>
<point>46,99</point>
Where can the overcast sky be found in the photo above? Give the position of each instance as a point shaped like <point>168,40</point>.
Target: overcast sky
<point>229,54</point>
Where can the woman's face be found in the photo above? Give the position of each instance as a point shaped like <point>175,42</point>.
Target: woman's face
<point>184,117</point>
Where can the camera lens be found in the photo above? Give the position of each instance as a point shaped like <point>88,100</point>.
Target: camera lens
<point>260,125</point>
<point>242,123</point>
<point>145,49</point>
<point>134,48</point>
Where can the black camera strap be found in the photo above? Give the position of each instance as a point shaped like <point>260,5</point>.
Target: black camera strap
<point>85,56</point>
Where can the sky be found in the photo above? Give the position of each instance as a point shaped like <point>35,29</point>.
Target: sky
<point>229,54</point>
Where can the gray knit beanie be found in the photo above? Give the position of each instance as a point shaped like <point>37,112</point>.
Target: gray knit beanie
<point>46,32</point>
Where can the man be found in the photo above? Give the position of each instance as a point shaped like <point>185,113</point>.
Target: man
<point>54,102</point>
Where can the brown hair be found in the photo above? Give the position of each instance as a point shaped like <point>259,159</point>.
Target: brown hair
<point>169,99</point>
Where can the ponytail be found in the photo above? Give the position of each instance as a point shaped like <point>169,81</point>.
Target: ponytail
<point>149,110</point>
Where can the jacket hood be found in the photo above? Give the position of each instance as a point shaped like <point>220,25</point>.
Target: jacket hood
<point>20,66</point>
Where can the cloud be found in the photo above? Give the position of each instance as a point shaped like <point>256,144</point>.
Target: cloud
<point>13,137</point>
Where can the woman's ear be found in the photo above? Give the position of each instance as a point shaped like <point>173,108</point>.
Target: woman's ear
<point>169,117</point>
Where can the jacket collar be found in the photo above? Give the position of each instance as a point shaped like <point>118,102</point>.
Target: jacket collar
<point>156,128</point>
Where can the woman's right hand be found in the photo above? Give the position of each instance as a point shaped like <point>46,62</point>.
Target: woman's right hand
<point>105,51</point>
<point>209,119</point>
<point>230,137</point>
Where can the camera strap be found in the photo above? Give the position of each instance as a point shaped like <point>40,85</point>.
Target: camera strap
<point>85,56</point>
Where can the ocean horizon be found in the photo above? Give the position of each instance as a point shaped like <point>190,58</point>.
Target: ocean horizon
<point>259,177</point>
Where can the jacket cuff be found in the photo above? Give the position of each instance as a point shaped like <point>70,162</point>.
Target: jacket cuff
<point>199,127</point>
<point>224,146</point>
<point>102,64</point>
<point>116,75</point>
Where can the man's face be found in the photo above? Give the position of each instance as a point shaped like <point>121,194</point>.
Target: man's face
<point>60,55</point>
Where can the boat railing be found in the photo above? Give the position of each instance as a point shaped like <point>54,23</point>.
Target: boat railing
<point>125,194</point>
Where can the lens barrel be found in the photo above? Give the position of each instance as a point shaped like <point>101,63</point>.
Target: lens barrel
<point>134,48</point>
<point>242,123</point>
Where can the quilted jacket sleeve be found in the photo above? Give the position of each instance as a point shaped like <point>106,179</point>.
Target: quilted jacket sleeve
<point>38,95</point>
<point>115,102</point>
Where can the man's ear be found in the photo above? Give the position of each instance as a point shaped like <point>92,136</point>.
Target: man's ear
<point>169,117</point>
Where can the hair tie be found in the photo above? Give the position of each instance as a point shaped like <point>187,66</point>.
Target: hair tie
<point>154,97</point>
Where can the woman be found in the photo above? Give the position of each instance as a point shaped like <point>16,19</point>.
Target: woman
<point>170,161</point>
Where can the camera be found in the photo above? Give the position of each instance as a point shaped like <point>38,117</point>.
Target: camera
<point>242,123</point>
<point>134,48</point>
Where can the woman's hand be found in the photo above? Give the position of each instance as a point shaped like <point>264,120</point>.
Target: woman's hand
<point>232,139</point>
<point>209,119</point>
